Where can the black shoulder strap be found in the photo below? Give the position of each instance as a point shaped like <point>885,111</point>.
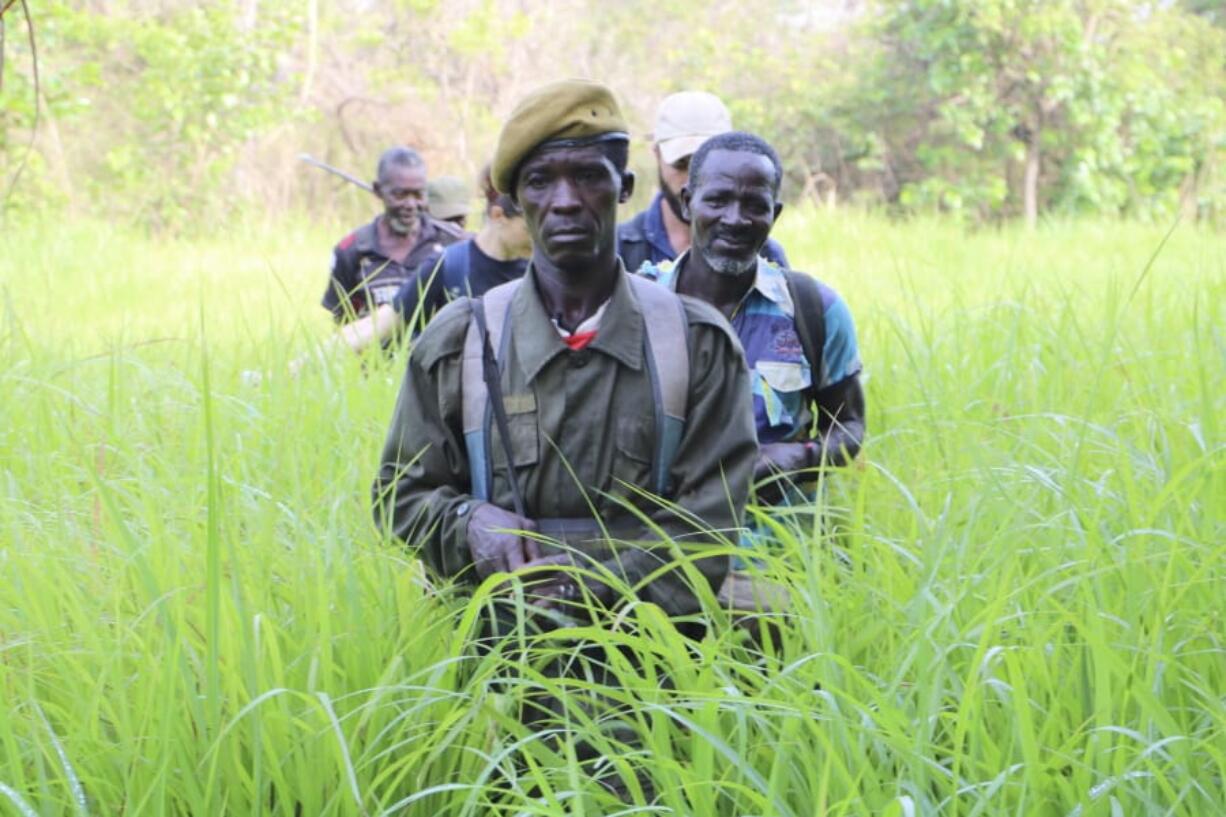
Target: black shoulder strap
<point>810,321</point>
<point>493,385</point>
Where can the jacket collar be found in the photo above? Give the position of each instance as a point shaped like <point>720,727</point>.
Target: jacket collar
<point>770,281</point>
<point>367,241</point>
<point>620,334</point>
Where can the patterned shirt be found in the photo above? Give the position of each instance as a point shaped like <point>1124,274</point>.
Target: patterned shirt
<point>780,374</point>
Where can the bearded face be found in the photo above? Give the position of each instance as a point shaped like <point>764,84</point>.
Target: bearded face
<point>402,190</point>
<point>733,207</point>
<point>673,199</point>
<point>672,179</point>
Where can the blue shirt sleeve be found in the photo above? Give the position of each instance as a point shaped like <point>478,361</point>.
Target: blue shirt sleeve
<point>841,354</point>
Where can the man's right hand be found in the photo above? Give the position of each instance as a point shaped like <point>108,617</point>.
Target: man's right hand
<point>494,542</point>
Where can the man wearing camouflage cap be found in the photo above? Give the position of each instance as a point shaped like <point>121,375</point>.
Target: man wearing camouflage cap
<point>544,406</point>
<point>448,199</point>
<point>662,232</point>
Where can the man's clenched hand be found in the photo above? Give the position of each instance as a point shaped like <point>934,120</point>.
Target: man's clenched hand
<point>787,458</point>
<point>494,541</point>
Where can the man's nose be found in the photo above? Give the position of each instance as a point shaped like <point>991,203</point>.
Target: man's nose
<point>734,215</point>
<point>565,196</point>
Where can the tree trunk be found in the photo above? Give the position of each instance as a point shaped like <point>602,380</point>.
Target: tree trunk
<point>57,158</point>
<point>1030,181</point>
<point>1189,193</point>
<point>248,14</point>
<point>312,48</point>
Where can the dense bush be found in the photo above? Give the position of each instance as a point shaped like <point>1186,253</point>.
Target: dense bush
<point>176,113</point>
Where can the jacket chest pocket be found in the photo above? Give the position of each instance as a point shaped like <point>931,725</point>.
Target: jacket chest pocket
<point>522,429</point>
<point>634,445</point>
<point>781,386</point>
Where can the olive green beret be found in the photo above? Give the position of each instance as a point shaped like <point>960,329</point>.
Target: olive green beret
<point>571,112</point>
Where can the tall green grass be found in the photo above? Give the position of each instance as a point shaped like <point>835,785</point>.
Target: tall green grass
<point>1015,609</point>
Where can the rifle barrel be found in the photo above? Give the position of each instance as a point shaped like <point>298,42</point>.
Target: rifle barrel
<point>336,171</point>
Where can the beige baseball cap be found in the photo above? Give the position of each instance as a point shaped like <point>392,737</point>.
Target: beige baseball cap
<point>685,120</point>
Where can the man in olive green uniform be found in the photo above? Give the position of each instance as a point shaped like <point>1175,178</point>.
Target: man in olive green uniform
<point>581,392</point>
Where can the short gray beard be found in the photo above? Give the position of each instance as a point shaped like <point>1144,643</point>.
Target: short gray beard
<point>399,227</point>
<point>723,265</point>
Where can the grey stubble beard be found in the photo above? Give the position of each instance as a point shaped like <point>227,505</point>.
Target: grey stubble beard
<point>723,265</point>
<point>399,227</point>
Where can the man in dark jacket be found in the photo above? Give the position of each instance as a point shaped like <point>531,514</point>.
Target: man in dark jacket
<point>370,264</point>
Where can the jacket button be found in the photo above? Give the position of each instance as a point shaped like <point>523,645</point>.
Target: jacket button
<point>580,358</point>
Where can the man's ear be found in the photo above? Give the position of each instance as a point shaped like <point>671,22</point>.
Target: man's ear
<point>778,210</point>
<point>627,186</point>
<point>376,188</point>
<point>685,203</point>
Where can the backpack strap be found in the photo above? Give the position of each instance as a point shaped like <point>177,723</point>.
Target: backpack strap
<point>457,265</point>
<point>474,393</point>
<point>668,363</point>
<point>810,319</point>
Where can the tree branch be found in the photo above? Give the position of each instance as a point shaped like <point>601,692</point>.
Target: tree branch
<point>25,159</point>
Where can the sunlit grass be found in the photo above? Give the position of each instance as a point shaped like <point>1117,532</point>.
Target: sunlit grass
<point>1015,608</point>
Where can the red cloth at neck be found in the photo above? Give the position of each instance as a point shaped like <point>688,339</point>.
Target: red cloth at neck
<point>579,340</point>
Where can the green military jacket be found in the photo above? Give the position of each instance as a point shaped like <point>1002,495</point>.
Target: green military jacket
<point>582,429</point>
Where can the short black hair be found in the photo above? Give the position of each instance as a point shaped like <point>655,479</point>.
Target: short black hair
<point>617,151</point>
<point>400,156</point>
<point>736,140</point>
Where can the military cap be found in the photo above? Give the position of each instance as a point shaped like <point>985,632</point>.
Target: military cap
<point>448,197</point>
<point>563,114</point>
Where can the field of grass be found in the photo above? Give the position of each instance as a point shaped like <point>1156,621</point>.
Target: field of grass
<point>1017,608</point>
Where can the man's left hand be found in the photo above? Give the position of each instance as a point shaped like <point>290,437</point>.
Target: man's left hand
<point>774,458</point>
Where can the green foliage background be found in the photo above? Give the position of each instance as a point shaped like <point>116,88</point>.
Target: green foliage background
<point>186,115</point>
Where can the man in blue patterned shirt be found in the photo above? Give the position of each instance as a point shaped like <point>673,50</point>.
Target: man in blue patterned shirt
<point>808,413</point>
<point>662,232</point>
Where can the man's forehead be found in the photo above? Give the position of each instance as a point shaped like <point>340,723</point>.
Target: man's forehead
<point>566,155</point>
<point>736,165</point>
<point>405,176</point>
